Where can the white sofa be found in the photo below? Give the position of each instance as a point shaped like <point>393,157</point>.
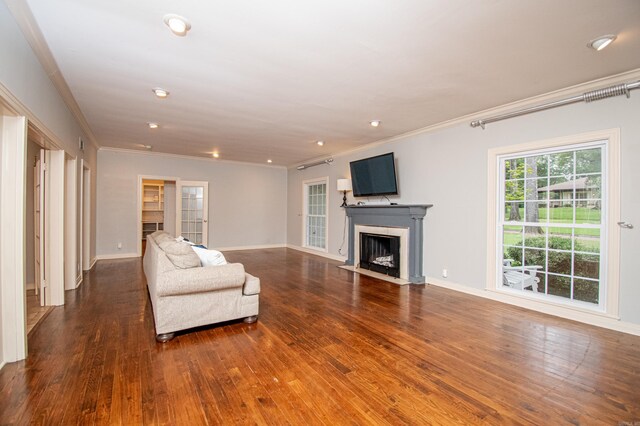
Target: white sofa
<point>195,296</point>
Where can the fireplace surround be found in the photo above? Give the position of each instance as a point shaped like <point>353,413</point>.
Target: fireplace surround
<point>405,221</point>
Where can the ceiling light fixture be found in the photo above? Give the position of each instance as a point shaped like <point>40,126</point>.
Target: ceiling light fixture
<point>375,123</point>
<point>147,146</point>
<point>153,125</point>
<point>269,161</point>
<point>160,92</point>
<point>601,42</point>
<point>178,25</point>
<point>320,143</point>
<point>216,155</point>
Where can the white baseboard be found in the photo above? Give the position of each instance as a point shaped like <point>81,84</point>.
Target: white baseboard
<point>31,286</point>
<point>114,256</point>
<point>318,253</point>
<point>596,319</point>
<point>2,364</point>
<point>79,280</point>
<point>93,262</point>
<point>256,247</point>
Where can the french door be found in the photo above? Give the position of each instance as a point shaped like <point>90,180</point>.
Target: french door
<point>192,207</point>
<point>315,212</point>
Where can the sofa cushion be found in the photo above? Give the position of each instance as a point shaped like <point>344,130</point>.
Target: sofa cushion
<point>209,257</point>
<point>180,254</point>
<point>200,280</point>
<point>156,233</point>
<point>160,238</point>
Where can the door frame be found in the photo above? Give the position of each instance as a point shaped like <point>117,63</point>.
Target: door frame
<point>70,216</point>
<point>305,211</point>
<point>13,143</point>
<point>139,205</point>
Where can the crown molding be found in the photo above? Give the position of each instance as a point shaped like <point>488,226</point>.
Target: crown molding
<point>32,33</point>
<point>44,136</point>
<point>499,110</point>
<point>188,157</point>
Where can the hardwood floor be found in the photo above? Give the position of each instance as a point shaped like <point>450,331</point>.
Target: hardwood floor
<point>330,347</point>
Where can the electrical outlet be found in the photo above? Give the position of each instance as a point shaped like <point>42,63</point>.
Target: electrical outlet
<point>119,246</point>
<point>445,273</point>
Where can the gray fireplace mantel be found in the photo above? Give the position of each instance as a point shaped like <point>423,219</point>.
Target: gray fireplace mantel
<point>400,216</point>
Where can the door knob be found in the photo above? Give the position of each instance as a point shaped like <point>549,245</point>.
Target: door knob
<point>205,220</point>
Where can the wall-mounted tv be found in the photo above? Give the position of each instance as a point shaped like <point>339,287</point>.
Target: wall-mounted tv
<point>374,176</point>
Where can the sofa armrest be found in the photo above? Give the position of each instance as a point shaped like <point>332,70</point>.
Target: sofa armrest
<point>200,280</point>
<point>251,285</point>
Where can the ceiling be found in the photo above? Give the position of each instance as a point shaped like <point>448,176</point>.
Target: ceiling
<point>257,80</point>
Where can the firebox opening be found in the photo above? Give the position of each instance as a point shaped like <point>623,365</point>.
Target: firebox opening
<point>380,253</point>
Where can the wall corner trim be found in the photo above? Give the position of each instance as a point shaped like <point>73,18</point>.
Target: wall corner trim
<point>253,247</point>
<point>317,253</point>
<point>113,256</point>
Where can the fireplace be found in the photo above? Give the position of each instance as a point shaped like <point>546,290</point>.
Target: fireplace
<point>402,221</point>
<point>380,253</point>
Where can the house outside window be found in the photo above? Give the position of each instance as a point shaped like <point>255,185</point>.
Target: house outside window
<point>554,207</point>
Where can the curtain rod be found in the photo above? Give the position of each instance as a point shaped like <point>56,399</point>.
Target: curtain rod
<point>594,95</point>
<point>306,166</point>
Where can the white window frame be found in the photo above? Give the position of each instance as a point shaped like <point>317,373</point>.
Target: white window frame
<point>305,206</point>
<point>610,216</point>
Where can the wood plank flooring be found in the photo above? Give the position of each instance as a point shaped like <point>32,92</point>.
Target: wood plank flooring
<point>330,347</point>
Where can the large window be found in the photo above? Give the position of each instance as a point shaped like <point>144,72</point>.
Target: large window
<point>552,223</point>
<point>315,231</point>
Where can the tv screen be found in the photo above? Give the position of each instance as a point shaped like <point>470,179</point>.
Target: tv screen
<point>374,176</point>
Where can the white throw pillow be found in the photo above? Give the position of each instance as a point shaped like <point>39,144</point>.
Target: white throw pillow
<point>209,257</point>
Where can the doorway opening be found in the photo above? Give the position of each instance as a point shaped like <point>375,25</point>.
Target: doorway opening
<point>157,207</point>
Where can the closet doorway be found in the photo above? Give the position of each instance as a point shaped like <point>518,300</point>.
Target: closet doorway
<point>156,207</point>
<point>48,171</point>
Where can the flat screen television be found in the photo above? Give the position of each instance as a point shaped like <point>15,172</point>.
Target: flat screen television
<point>374,176</point>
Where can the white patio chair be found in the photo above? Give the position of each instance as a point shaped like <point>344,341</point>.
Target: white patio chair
<point>520,277</point>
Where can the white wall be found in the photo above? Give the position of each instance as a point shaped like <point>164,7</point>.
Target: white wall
<point>448,168</point>
<point>22,75</point>
<point>247,203</point>
<point>170,206</point>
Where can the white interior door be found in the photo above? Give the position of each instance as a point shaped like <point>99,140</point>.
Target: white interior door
<point>39,226</point>
<point>70,214</point>
<point>54,227</point>
<point>192,205</point>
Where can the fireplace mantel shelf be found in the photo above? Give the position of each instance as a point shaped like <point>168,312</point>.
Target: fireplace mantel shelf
<point>389,206</point>
<point>393,216</point>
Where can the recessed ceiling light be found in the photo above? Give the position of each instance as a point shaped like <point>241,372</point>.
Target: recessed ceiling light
<point>178,25</point>
<point>269,161</point>
<point>320,143</point>
<point>601,42</point>
<point>147,146</point>
<point>375,123</point>
<point>216,155</point>
<point>161,93</point>
<point>153,125</point>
